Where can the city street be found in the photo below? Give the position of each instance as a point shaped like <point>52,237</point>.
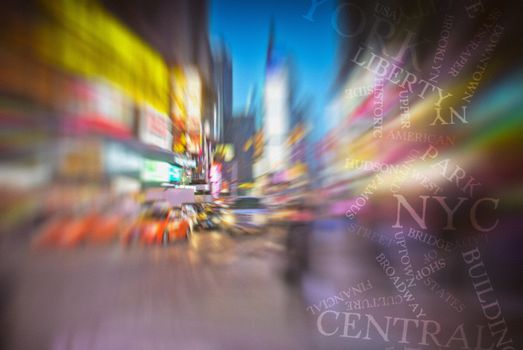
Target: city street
<point>215,291</point>
<point>276,174</point>
<point>212,290</point>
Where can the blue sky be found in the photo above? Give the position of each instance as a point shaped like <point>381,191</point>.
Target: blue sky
<point>244,25</point>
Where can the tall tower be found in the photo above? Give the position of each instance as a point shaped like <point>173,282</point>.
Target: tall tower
<point>276,108</point>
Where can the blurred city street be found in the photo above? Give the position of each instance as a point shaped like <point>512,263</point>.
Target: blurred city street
<point>213,289</point>
<point>276,174</point>
<point>213,292</point>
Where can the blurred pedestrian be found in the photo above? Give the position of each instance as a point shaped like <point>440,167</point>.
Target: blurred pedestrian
<point>299,232</point>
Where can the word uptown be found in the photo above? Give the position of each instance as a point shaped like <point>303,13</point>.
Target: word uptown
<point>405,258</point>
<point>400,286</point>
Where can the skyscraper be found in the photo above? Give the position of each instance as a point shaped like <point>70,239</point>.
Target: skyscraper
<point>222,77</point>
<point>276,109</point>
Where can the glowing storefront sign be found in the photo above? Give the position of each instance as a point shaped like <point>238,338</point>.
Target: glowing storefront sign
<point>175,173</point>
<point>118,159</point>
<point>155,128</point>
<point>155,171</point>
<point>215,179</point>
<point>186,101</point>
<point>193,99</point>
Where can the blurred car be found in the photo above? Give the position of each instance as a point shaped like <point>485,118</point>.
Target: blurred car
<point>245,215</point>
<point>191,211</point>
<point>66,231</point>
<point>160,225</point>
<point>108,228</point>
<point>300,211</point>
<point>210,217</point>
<point>280,214</point>
<point>50,234</point>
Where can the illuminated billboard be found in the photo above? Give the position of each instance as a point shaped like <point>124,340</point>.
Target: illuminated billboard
<point>155,171</point>
<point>175,173</point>
<point>186,109</point>
<point>155,128</point>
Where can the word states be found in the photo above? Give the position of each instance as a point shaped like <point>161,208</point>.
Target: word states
<point>444,294</point>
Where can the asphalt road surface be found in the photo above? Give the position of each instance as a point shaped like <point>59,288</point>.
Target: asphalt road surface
<point>221,292</point>
<point>214,292</point>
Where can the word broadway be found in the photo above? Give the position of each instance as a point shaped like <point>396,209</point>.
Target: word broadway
<point>407,331</point>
